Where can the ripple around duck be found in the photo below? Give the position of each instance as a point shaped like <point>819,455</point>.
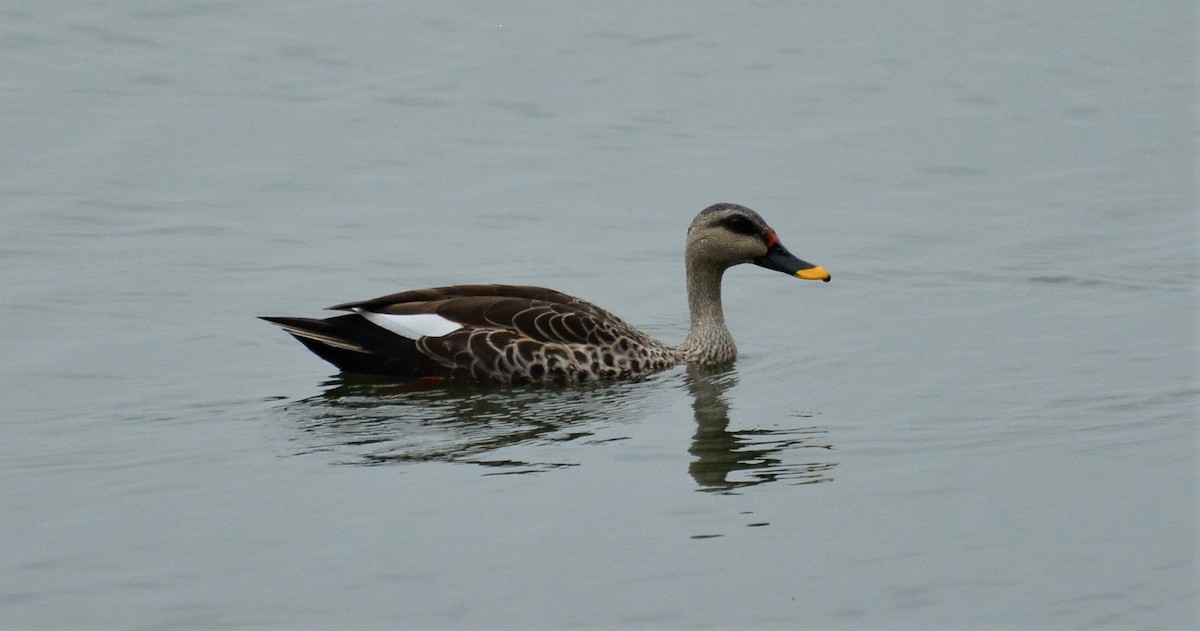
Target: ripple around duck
<point>370,422</point>
<point>728,459</point>
<point>521,429</point>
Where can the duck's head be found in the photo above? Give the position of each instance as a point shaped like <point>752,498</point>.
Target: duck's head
<point>724,235</point>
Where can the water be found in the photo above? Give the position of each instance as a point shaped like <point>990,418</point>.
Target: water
<point>987,419</point>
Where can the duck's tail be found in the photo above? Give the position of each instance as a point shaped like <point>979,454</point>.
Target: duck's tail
<point>356,346</point>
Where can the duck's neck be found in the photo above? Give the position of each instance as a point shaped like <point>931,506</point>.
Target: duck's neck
<point>708,341</point>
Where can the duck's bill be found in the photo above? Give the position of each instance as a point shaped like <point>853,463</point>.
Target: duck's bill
<point>780,260</point>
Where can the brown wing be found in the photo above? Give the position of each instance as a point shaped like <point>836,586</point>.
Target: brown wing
<point>438,294</point>
<point>534,313</point>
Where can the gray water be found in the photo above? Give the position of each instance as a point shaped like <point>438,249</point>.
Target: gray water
<point>987,419</point>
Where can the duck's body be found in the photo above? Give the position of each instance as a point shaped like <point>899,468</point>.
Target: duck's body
<point>500,333</point>
<point>507,333</point>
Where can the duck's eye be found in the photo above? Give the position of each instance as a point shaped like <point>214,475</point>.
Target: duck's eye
<point>740,225</point>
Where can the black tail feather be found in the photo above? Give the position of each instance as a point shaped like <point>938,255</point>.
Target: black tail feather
<point>355,345</point>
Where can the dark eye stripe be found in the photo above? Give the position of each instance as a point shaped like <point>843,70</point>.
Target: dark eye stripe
<point>741,225</point>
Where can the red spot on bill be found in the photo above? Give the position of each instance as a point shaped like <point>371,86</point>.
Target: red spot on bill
<point>771,239</point>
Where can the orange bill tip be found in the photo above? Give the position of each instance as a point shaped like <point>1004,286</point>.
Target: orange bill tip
<point>814,273</point>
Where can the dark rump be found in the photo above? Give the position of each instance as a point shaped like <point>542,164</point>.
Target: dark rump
<point>384,354</point>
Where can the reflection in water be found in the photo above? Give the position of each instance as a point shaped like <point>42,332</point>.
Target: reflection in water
<point>383,422</point>
<point>374,422</point>
<point>727,460</point>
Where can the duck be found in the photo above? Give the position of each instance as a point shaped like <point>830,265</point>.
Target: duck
<point>512,334</point>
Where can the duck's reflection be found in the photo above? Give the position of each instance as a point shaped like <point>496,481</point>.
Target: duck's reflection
<point>727,460</point>
<point>517,430</point>
<point>367,421</point>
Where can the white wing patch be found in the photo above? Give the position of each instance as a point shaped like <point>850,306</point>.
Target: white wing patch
<point>411,326</point>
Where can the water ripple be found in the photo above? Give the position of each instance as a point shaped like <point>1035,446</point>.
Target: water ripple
<point>369,422</point>
<point>514,430</point>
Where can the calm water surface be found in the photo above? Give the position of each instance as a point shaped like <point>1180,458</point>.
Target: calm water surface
<point>986,420</point>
